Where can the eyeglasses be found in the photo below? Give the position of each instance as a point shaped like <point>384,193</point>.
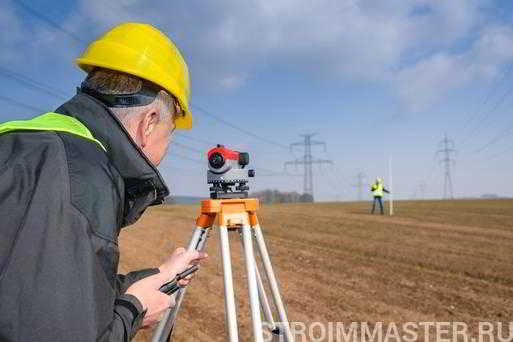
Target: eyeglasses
<point>177,111</point>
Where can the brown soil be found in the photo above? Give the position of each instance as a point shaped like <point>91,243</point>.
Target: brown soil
<point>431,261</point>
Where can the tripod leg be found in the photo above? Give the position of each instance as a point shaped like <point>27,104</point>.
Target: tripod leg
<point>165,327</point>
<point>266,308</point>
<point>272,281</point>
<point>252,284</point>
<point>264,302</point>
<point>229,294</point>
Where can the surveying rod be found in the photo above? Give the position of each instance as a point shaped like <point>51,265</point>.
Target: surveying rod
<point>391,195</point>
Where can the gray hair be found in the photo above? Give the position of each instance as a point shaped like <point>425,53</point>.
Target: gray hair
<point>108,81</point>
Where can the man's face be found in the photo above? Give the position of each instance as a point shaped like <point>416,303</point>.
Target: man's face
<point>159,140</point>
<point>155,133</point>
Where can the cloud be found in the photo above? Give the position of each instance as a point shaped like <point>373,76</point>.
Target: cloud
<point>232,81</point>
<point>433,78</point>
<point>29,44</point>
<point>420,48</point>
<point>12,33</point>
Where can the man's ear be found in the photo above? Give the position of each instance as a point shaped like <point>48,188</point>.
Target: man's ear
<point>147,125</point>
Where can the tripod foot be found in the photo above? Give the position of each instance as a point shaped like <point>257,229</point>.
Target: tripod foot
<point>277,332</point>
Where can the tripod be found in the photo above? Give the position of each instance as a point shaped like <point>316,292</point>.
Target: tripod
<point>236,215</point>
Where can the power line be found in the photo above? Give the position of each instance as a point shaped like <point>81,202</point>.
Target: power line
<point>308,161</point>
<point>20,104</point>
<point>197,161</point>
<point>333,186</point>
<point>336,172</point>
<point>487,97</point>
<point>30,83</point>
<point>333,176</point>
<point>272,173</point>
<point>486,115</point>
<point>494,156</point>
<point>49,21</point>
<point>48,90</point>
<point>447,150</point>
<point>504,133</point>
<point>229,124</point>
<point>196,140</point>
<point>268,171</point>
<point>41,87</point>
<point>175,143</point>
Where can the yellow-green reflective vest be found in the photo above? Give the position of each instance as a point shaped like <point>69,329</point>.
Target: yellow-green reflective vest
<point>51,122</point>
<point>377,190</point>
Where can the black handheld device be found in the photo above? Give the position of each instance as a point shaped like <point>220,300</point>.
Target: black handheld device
<point>172,286</point>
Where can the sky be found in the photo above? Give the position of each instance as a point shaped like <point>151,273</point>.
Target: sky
<point>381,83</point>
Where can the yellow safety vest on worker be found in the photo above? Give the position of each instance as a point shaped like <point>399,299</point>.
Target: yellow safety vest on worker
<point>377,190</point>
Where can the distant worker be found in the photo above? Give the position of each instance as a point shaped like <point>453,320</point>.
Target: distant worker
<point>71,179</point>
<point>378,190</point>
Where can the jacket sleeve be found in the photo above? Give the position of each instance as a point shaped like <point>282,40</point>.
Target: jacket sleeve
<point>123,281</point>
<point>52,283</point>
<point>128,316</point>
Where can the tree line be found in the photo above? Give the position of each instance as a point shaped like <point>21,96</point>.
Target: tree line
<point>275,196</point>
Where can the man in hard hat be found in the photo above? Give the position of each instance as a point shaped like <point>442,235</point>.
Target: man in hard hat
<point>378,190</point>
<point>71,179</point>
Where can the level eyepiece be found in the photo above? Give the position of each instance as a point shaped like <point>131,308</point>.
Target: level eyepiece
<point>243,159</point>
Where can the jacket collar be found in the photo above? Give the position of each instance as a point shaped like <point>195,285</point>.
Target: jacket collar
<point>144,185</point>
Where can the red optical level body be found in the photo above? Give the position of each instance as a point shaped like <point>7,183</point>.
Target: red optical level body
<point>226,152</point>
<point>227,174</point>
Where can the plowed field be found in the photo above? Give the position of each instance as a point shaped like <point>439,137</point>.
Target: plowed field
<point>431,261</point>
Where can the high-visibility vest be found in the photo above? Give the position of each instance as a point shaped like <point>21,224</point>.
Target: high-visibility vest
<point>51,122</point>
<point>377,190</point>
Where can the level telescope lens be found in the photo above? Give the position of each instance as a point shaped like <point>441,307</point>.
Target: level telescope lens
<point>216,160</point>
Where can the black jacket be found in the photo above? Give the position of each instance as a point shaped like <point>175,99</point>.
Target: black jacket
<point>63,201</point>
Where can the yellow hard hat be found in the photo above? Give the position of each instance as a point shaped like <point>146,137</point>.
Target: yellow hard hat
<point>144,51</point>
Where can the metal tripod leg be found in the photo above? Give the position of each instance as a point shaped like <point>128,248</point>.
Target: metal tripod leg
<point>264,302</point>
<point>229,294</point>
<point>165,327</point>
<point>249,256</point>
<point>272,282</point>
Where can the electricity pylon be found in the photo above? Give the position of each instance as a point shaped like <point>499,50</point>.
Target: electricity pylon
<point>446,149</point>
<point>361,177</point>
<point>307,161</point>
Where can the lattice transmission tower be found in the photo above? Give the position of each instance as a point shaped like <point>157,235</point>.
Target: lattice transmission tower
<point>361,178</point>
<point>445,152</point>
<point>307,161</point>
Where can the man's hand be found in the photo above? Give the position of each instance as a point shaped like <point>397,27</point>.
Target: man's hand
<point>178,262</point>
<point>151,299</point>
<point>147,289</point>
